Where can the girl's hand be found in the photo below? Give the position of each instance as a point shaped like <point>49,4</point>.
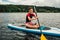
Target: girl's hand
<point>36,17</point>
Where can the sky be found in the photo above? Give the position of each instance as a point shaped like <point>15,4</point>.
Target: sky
<point>52,3</point>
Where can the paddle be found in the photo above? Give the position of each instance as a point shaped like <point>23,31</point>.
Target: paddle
<point>42,36</point>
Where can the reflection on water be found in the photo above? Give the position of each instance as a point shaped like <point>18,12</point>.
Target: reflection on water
<point>47,19</point>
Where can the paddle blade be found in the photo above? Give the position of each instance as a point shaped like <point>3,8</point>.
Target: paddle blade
<point>43,37</point>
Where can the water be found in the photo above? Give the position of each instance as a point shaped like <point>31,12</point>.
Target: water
<point>47,19</point>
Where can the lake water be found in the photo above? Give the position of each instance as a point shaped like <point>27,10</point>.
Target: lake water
<point>47,19</point>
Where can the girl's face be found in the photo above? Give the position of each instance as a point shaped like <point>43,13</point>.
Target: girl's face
<point>31,11</point>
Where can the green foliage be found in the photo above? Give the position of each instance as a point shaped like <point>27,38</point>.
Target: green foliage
<point>24,8</point>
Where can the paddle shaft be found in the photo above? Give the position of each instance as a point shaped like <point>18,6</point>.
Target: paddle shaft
<point>37,18</point>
